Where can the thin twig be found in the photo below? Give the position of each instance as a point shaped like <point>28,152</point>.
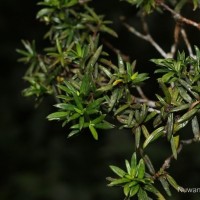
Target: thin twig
<point>179,17</point>
<point>115,50</point>
<point>150,103</point>
<point>187,42</point>
<point>176,40</point>
<point>141,93</point>
<point>146,37</point>
<point>168,161</point>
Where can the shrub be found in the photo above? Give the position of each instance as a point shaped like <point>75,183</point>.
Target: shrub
<point>91,88</point>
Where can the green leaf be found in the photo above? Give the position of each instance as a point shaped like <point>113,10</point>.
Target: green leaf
<point>119,182</point>
<point>65,106</point>
<point>188,115</point>
<point>71,3</point>
<point>165,91</point>
<point>128,167</point>
<point>108,30</point>
<point>72,133</point>
<point>172,182</point>
<point>162,101</point>
<point>149,164</point>
<point>188,87</point>
<point>150,116</point>
<point>180,108</point>
<point>184,95</point>
<point>93,131</point>
<point>174,145</point>
<point>77,126</point>
<point>127,190</point>
<point>85,85</point>
<point>70,87</point>
<point>95,104</point>
<point>142,195</point>
<point>134,190</point>
<point>195,128</point>
<point>121,108</point>
<point>81,122</point>
<point>145,131</point>
<point>140,169</point>
<point>106,71</point>
<point>57,115</point>
<point>134,160</point>
<point>167,77</point>
<point>165,185</point>
<point>94,59</point>
<point>104,125</point>
<point>152,189</point>
<point>157,121</point>
<point>170,125</point>
<point>153,136</point>
<point>121,173</point>
<point>78,101</point>
<point>137,136</point>
<point>113,99</point>
<point>121,65</point>
<point>74,116</point>
<point>43,12</point>
<point>98,119</point>
<point>105,88</point>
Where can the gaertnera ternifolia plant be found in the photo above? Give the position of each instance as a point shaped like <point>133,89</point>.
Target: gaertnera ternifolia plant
<point>89,86</point>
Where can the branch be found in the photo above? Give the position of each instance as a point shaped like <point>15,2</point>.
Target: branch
<point>115,50</point>
<point>168,161</point>
<point>146,37</point>
<point>187,42</point>
<point>179,17</point>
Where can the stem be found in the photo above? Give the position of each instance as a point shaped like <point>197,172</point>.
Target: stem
<point>168,161</point>
<point>146,37</point>
<point>187,42</point>
<point>179,17</point>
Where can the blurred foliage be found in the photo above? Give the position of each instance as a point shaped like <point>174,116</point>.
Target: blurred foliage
<point>39,164</point>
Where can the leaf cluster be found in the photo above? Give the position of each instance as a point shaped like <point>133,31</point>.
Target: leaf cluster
<point>91,89</point>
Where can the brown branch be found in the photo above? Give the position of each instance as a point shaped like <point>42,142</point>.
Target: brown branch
<point>179,17</point>
<point>146,37</point>
<point>168,161</point>
<point>115,50</point>
<point>187,42</point>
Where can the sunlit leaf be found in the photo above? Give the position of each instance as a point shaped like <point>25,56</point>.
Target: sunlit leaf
<point>117,171</point>
<point>153,136</point>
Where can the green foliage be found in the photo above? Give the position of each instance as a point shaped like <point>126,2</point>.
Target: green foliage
<point>134,180</point>
<point>147,5</point>
<point>90,89</point>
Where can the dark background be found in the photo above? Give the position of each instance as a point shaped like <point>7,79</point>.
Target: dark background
<point>38,162</point>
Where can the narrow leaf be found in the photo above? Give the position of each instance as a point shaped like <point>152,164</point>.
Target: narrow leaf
<point>149,164</point>
<point>140,169</point>
<point>119,181</point>
<point>117,171</point>
<point>195,128</point>
<point>57,115</point>
<point>134,190</point>
<point>165,185</point>
<point>172,182</point>
<point>188,115</point>
<point>94,59</point>
<point>170,125</point>
<point>137,136</point>
<point>93,131</point>
<point>128,167</point>
<point>145,131</point>
<point>153,136</point>
<point>142,195</point>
